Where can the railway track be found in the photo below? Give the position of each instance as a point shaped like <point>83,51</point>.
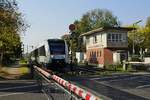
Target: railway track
<point>77,92</point>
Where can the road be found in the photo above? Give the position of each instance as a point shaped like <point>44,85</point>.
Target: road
<point>117,86</point>
<point>20,90</point>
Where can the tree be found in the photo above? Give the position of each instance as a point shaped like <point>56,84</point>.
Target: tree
<point>11,25</point>
<point>140,36</point>
<point>92,20</point>
<point>95,19</point>
<point>148,22</point>
<point>137,38</point>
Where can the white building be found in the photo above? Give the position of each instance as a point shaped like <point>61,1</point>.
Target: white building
<point>106,45</point>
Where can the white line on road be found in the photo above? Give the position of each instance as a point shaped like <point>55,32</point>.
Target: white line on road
<point>10,94</point>
<point>143,86</point>
<point>18,87</point>
<point>18,81</point>
<point>112,78</point>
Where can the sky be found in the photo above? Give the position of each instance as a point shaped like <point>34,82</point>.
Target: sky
<point>51,18</point>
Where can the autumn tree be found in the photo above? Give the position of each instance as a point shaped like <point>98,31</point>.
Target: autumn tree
<point>11,25</point>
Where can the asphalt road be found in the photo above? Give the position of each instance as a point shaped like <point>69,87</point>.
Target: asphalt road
<point>118,86</point>
<point>30,90</point>
<point>21,90</point>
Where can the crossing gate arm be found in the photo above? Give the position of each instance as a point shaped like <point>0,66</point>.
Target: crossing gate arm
<point>70,87</point>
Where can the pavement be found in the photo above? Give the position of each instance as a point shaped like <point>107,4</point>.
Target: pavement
<point>117,86</point>
<point>17,84</point>
<point>133,86</point>
<point>23,89</point>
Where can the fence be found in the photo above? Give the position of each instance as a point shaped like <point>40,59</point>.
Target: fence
<point>57,88</point>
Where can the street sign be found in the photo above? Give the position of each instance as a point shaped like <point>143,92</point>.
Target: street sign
<point>72,27</point>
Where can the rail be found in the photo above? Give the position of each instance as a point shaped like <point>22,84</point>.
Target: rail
<point>77,92</point>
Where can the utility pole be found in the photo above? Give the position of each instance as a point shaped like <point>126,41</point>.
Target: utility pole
<point>71,28</point>
<point>133,46</point>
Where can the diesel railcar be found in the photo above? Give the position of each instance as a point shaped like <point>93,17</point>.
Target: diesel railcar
<point>52,53</point>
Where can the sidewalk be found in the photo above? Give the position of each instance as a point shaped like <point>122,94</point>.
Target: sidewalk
<point>13,72</point>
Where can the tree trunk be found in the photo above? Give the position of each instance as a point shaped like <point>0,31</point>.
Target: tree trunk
<point>1,59</point>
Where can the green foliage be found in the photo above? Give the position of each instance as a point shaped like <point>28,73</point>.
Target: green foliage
<point>11,25</point>
<point>140,37</point>
<point>91,20</point>
<point>148,22</point>
<point>147,54</point>
<point>95,19</point>
<point>114,67</point>
<point>23,61</point>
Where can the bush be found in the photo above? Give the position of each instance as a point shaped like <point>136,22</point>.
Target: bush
<point>147,54</point>
<point>114,67</point>
<point>23,61</point>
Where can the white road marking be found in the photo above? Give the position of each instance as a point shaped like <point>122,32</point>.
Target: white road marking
<point>10,94</point>
<point>125,78</point>
<point>143,86</point>
<point>18,81</point>
<point>104,77</point>
<point>18,87</point>
<point>111,77</point>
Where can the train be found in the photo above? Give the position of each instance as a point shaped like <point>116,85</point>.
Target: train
<point>52,54</point>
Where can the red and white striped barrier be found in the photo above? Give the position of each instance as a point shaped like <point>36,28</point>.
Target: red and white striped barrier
<point>42,71</point>
<point>71,87</point>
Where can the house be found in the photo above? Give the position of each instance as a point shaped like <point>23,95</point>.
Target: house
<point>106,45</point>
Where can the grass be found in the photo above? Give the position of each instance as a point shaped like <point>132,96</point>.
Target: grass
<point>24,70</point>
<point>14,72</point>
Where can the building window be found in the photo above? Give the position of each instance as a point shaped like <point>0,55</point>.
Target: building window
<point>101,38</point>
<point>87,40</point>
<point>97,54</point>
<point>119,37</point>
<point>114,37</point>
<point>100,53</point>
<point>95,39</point>
<point>41,51</point>
<point>109,37</point>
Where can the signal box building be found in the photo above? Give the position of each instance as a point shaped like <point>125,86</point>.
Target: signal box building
<point>106,45</point>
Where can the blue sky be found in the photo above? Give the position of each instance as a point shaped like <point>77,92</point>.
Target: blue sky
<point>51,18</point>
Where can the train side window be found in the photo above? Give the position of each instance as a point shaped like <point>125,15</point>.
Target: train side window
<point>42,51</point>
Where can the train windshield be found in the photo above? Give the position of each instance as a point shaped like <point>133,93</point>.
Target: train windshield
<point>57,47</point>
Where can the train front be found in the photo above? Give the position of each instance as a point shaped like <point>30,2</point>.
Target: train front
<point>58,52</point>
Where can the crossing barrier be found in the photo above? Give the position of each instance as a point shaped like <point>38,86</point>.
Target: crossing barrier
<point>77,91</point>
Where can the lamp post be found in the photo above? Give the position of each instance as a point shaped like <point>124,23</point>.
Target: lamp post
<point>133,46</point>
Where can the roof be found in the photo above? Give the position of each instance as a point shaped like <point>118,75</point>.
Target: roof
<point>107,28</point>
